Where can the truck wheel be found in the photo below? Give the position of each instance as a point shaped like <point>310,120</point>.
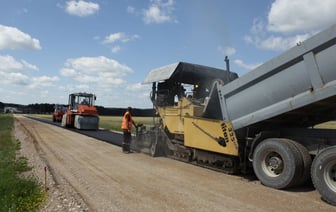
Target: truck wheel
<point>306,162</point>
<point>277,163</point>
<point>323,172</point>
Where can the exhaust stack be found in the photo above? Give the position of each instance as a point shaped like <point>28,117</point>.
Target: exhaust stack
<point>227,62</point>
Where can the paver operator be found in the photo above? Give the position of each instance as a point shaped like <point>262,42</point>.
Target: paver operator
<point>126,126</point>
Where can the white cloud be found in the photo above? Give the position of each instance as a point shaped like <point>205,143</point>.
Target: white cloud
<point>13,38</point>
<point>276,43</point>
<point>139,86</point>
<point>83,87</point>
<point>249,67</point>
<point>290,22</point>
<point>121,95</point>
<point>14,78</point>
<point>119,36</point>
<point>86,78</point>
<point>159,12</point>
<point>99,71</point>
<point>42,82</point>
<point>288,16</point>
<point>68,72</point>
<point>20,79</point>
<point>114,81</point>
<point>279,43</point>
<point>258,26</point>
<point>115,49</point>
<point>29,66</point>
<point>106,78</point>
<point>228,51</point>
<point>130,9</point>
<point>81,8</point>
<point>97,64</point>
<point>10,64</point>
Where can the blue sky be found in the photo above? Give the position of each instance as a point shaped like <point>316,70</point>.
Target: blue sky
<point>49,49</point>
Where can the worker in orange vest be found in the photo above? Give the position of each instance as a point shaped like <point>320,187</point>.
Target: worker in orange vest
<point>126,126</point>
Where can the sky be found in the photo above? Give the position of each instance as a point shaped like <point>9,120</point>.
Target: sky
<point>49,49</point>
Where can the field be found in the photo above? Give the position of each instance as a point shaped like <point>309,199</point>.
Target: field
<point>327,125</point>
<point>114,122</point>
<point>111,122</point>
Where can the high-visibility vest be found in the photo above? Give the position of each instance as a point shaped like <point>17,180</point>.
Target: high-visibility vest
<point>127,125</point>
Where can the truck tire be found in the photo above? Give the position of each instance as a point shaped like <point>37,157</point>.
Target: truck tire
<point>323,172</point>
<point>277,163</point>
<point>306,163</point>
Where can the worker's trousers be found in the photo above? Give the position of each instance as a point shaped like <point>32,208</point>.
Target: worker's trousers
<point>127,141</point>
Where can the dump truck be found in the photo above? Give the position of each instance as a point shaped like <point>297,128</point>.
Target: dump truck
<point>81,112</point>
<point>59,110</point>
<point>265,121</point>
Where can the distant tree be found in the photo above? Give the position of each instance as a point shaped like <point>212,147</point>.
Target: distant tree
<point>40,108</point>
<point>120,111</point>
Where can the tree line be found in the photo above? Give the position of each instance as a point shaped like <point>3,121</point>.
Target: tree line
<point>46,108</point>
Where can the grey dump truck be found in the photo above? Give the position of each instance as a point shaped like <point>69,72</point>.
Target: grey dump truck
<point>266,120</point>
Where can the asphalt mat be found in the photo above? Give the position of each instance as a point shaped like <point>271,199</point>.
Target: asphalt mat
<point>101,134</point>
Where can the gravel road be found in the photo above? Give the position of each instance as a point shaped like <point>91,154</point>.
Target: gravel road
<point>85,174</point>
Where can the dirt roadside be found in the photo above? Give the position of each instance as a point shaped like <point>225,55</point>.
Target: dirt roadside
<point>84,174</point>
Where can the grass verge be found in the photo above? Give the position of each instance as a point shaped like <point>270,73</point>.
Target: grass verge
<point>16,193</point>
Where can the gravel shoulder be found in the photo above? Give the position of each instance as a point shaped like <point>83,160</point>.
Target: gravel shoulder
<point>85,174</point>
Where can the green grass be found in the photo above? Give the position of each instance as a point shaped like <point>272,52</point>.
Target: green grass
<point>16,193</point>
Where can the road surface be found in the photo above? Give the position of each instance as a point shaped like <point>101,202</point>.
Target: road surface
<point>85,174</point>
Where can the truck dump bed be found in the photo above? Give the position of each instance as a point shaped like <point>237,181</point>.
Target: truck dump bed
<point>297,88</point>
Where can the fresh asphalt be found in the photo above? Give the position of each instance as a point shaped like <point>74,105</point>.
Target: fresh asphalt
<point>101,134</point>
